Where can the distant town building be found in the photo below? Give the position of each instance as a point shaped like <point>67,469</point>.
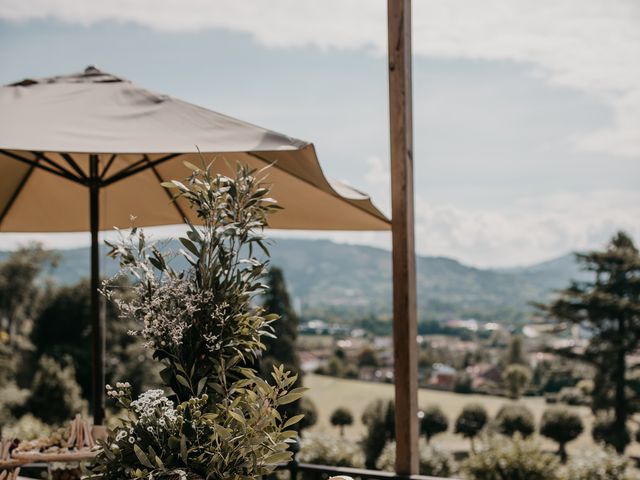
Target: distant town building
<point>442,376</point>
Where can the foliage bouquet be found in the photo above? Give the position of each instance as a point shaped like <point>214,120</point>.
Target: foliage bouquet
<point>221,420</point>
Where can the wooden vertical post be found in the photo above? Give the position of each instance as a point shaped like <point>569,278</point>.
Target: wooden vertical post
<point>404,261</point>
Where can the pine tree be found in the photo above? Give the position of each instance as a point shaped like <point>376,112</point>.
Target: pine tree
<point>609,307</point>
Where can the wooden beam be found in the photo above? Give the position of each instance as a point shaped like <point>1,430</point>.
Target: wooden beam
<point>404,260</point>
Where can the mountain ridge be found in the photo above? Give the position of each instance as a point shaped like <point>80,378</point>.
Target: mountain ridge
<point>345,281</point>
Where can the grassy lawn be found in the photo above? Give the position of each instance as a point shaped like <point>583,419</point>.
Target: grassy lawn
<point>329,393</point>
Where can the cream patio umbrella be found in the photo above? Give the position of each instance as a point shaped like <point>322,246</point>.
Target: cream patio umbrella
<point>84,152</point>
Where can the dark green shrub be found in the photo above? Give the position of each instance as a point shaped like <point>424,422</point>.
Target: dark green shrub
<point>329,450</point>
<point>379,420</point>
<point>27,427</point>
<point>341,417</point>
<point>367,357</point>
<point>499,458</point>
<point>12,402</point>
<point>433,421</point>
<point>597,464</point>
<point>62,331</point>
<point>573,396</point>
<point>471,421</point>
<point>55,395</point>
<point>562,426</point>
<point>310,412</point>
<point>515,418</point>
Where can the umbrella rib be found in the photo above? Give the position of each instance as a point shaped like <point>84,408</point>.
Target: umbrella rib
<point>336,194</point>
<point>74,165</point>
<point>108,166</point>
<point>59,167</point>
<point>61,173</point>
<point>136,167</point>
<point>183,217</point>
<point>17,191</point>
<point>115,177</point>
<point>53,164</point>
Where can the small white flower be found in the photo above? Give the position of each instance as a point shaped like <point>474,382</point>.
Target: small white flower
<point>132,440</point>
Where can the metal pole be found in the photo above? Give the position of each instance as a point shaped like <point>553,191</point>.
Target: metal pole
<point>97,320</point>
<point>404,261</point>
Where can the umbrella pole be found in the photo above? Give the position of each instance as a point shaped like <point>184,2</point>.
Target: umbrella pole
<point>97,320</point>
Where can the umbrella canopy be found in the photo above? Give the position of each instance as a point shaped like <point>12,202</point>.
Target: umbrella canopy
<point>52,129</point>
<point>87,151</point>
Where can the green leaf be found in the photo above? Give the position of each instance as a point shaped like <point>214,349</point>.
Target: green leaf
<point>183,381</point>
<point>142,456</point>
<point>276,458</point>
<point>289,398</point>
<point>216,388</point>
<point>183,448</point>
<point>288,434</point>
<point>201,385</point>
<point>188,244</point>
<point>299,389</point>
<point>191,166</point>
<point>155,263</point>
<point>262,385</point>
<point>293,420</point>
<point>236,416</point>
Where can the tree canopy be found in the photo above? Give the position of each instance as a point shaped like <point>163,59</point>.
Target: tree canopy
<point>608,306</point>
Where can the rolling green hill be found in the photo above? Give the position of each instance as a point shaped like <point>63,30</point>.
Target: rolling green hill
<point>351,281</point>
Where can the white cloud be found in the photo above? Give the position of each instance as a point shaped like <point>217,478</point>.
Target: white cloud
<point>526,231</point>
<point>531,230</point>
<point>589,45</point>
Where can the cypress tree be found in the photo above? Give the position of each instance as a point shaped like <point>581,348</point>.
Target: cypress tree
<point>282,349</point>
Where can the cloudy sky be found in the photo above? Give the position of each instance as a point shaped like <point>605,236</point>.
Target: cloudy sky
<point>527,113</point>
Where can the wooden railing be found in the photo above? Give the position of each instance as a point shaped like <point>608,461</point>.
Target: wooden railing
<point>298,471</point>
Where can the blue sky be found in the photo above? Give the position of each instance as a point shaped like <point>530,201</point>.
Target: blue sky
<point>526,113</point>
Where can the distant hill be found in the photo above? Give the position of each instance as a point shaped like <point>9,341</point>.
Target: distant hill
<point>351,281</point>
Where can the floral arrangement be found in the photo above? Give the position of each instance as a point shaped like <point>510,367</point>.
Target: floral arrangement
<point>220,420</point>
